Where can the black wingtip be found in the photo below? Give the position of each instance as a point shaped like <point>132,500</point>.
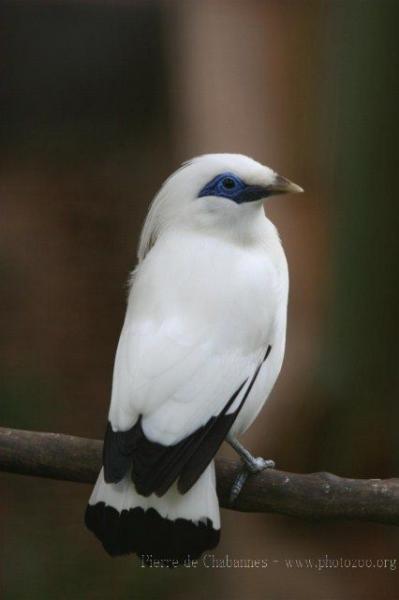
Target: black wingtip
<point>149,535</point>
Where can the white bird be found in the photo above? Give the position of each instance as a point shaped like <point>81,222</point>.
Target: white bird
<point>200,349</point>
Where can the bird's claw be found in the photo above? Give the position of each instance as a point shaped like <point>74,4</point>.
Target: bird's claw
<point>238,484</point>
<point>258,464</point>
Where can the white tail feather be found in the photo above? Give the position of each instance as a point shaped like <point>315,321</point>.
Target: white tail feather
<point>198,504</point>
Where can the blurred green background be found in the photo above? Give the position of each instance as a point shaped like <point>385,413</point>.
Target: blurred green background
<point>99,102</point>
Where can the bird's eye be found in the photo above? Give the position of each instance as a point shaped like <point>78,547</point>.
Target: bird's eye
<point>228,183</point>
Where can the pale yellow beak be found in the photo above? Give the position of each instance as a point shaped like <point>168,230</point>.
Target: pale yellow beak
<point>282,185</point>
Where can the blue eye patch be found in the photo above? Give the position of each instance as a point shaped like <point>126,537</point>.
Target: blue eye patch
<point>230,186</point>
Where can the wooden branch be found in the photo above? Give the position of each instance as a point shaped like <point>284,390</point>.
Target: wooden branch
<point>311,496</point>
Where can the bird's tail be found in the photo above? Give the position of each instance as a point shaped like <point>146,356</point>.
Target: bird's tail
<point>173,528</point>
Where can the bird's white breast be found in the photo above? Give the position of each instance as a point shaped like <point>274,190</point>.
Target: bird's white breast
<point>235,292</point>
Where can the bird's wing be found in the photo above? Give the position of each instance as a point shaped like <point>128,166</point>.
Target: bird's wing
<point>174,400</point>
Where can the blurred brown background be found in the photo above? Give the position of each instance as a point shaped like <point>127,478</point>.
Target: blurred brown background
<point>99,102</point>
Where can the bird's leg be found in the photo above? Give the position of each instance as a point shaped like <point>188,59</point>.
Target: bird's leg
<point>251,465</point>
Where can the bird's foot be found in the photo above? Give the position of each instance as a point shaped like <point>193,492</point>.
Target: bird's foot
<point>251,466</point>
<point>259,464</point>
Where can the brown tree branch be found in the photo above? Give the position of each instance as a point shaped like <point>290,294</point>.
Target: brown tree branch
<point>311,496</point>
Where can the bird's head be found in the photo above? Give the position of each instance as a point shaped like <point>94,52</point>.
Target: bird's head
<point>214,192</point>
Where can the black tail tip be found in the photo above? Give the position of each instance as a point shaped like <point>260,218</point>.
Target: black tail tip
<point>149,535</point>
